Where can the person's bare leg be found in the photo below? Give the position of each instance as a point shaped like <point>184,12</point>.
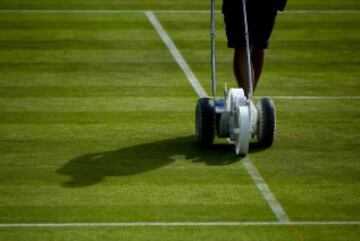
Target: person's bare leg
<point>258,57</point>
<point>240,68</point>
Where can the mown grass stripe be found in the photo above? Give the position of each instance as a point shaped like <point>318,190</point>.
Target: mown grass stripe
<point>67,104</point>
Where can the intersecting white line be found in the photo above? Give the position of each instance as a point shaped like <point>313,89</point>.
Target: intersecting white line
<point>259,181</point>
<point>265,191</point>
<point>174,224</point>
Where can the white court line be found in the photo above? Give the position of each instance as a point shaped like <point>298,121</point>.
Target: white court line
<point>70,11</point>
<point>260,182</point>
<point>299,97</point>
<point>300,11</point>
<point>174,224</point>
<point>322,11</point>
<point>176,54</point>
<point>266,192</point>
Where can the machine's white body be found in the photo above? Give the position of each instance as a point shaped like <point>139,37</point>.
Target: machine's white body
<point>234,117</point>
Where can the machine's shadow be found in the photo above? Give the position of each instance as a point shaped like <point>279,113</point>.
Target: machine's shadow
<point>90,169</point>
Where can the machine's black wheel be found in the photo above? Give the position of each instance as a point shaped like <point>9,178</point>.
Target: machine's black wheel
<point>205,119</point>
<point>266,122</point>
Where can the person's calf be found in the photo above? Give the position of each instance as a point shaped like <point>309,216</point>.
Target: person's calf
<point>239,67</point>
<point>258,57</point>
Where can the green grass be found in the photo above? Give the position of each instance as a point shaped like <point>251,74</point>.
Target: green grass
<point>96,125</point>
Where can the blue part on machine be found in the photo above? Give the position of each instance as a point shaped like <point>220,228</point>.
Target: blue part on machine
<point>220,105</point>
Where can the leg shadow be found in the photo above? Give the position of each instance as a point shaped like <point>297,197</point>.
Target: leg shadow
<point>90,169</point>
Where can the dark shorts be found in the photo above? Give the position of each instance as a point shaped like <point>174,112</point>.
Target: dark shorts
<point>261,20</point>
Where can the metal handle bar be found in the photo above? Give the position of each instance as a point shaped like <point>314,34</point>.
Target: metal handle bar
<point>213,53</point>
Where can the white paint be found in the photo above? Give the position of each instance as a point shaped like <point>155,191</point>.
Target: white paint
<point>176,54</point>
<point>322,11</point>
<point>173,224</point>
<point>265,191</point>
<point>309,97</point>
<point>99,11</point>
<point>299,11</point>
<point>313,97</point>
<point>70,11</point>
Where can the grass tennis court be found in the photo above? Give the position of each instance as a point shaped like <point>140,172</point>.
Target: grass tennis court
<point>97,125</point>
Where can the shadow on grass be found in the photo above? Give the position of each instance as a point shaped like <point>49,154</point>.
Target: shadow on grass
<point>90,169</point>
